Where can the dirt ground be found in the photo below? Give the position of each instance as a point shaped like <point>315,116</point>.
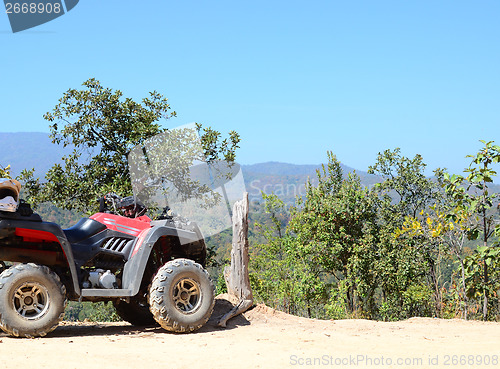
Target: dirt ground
<point>263,338</point>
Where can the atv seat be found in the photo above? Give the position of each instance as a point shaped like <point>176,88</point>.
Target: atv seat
<point>84,229</point>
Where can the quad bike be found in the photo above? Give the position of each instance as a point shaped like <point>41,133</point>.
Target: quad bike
<point>152,271</point>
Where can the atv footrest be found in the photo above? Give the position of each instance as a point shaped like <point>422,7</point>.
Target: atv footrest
<point>100,292</point>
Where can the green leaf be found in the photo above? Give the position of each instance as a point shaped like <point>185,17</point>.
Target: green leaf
<point>473,234</point>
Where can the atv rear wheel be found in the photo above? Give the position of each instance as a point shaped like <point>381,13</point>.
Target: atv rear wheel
<point>136,312</point>
<point>181,296</point>
<point>32,300</point>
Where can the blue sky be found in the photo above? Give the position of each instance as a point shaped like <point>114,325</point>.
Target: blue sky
<point>295,79</point>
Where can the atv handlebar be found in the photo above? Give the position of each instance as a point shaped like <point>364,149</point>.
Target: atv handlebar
<point>110,198</point>
<point>129,206</point>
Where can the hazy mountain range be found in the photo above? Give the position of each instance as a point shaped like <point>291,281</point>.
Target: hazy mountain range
<point>35,150</point>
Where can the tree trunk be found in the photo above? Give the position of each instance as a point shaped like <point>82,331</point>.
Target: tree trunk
<point>485,289</point>
<point>485,274</point>
<point>464,287</point>
<point>437,293</point>
<point>236,276</point>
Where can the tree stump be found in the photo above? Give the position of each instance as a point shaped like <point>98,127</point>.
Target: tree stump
<point>236,275</point>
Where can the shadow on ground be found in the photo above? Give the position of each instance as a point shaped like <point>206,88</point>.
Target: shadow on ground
<point>78,329</point>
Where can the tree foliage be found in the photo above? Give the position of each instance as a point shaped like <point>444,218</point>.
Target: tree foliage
<point>404,177</point>
<point>102,126</point>
<point>91,311</point>
<point>325,254</point>
<point>283,276</point>
<point>472,193</point>
<point>446,226</point>
<point>5,172</point>
<point>407,266</point>
<point>462,213</point>
<point>406,247</point>
<point>335,226</point>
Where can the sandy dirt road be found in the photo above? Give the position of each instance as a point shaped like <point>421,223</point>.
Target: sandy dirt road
<point>263,338</point>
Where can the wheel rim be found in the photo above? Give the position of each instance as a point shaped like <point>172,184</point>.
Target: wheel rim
<point>31,300</point>
<point>187,295</point>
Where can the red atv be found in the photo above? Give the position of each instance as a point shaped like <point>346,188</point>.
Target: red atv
<point>150,270</point>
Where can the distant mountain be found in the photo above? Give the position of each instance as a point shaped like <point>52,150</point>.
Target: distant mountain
<point>287,181</point>
<point>26,150</point>
<point>35,150</point>
<point>277,168</point>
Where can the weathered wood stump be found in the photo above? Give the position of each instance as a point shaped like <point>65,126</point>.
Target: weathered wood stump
<point>236,275</point>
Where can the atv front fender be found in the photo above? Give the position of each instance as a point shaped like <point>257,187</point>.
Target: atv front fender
<point>134,268</point>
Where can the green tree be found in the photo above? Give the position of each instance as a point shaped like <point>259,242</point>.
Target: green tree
<point>405,189</point>
<point>336,227</point>
<point>102,127</point>
<point>482,271</point>
<point>473,193</point>
<point>443,231</point>
<point>282,276</point>
<point>453,224</point>
<point>405,265</point>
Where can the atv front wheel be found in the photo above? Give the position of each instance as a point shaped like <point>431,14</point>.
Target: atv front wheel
<point>136,312</point>
<point>32,300</point>
<point>181,296</point>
